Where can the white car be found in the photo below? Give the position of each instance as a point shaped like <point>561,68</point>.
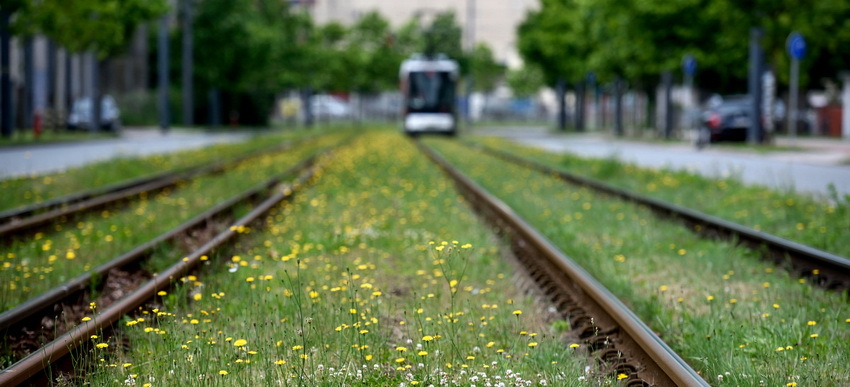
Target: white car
<point>327,106</point>
<point>81,114</point>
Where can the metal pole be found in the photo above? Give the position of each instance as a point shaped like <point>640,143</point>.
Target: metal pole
<point>162,57</point>
<point>792,98</point>
<point>667,84</point>
<point>754,132</point>
<point>29,82</point>
<point>618,106</point>
<point>560,91</point>
<point>5,76</point>
<point>188,103</point>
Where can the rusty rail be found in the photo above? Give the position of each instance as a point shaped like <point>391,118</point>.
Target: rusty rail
<point>29,368</point>
<point>621,339</point>
<point>828,270</point>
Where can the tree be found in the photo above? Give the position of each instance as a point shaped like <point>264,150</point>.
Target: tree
<point>484,68</point>
<point>105,26</point>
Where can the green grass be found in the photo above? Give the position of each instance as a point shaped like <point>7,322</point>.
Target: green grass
<point>377,275</point>
<point>736,319</point>
<point>28,137</point>
<point>34,264</point>
<point>821,222</point>
<point>23,191</point>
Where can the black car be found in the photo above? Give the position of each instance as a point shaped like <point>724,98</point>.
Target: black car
<point>727,121</point>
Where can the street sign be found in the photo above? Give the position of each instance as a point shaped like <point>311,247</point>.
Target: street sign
<point>689,65</point>
<point>796,45</point>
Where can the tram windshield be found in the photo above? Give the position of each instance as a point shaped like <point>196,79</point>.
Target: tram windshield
<point>430,92</point>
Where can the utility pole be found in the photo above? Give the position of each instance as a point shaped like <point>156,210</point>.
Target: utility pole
<point>188,103</point>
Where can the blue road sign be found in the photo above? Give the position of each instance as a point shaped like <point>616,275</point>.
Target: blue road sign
<point>796,45</point>
<point>689,65</point>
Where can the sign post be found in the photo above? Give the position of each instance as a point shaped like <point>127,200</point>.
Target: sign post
<point>689,67</point>
<point>796,46</point>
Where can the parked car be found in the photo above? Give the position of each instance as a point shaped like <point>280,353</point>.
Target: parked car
<point>81,114</point>
<point>329,107</point>
<point>726,120</point>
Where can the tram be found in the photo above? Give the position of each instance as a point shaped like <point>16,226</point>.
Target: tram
<point>428,86</point>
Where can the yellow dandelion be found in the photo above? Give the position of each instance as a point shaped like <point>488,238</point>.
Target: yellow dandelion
<point>102,345</point>
<point>812,323</point>
<point>198,296</point>
<point>87,318</point>
<point>280,362</point>
<point>427,338</point>
<point>422,353</point>
<point>622,376</point>
<point>517,312</point>
<point>240,343</point>
<point>662,288</point>
<point>574,345</point>
<point>400,349</point>
<point>222,372</point>
<point>399,360</point>
<point>532,344</point>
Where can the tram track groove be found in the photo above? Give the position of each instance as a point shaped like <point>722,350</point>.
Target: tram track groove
<point>826,269</point>
<point>624,332</point>
<point>31,365</point>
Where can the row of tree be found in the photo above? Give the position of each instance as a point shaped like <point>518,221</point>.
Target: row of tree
<point>637,40</point>
<point>250,50</point>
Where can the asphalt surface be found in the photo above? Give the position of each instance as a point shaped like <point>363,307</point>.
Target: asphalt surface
<point>810,165</point>
<point>50,158</point>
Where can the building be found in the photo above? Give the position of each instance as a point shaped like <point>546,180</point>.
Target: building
<point>492,22</point>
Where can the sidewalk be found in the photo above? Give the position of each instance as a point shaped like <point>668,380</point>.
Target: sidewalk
<point>809,165</point>
<point>49,158</point>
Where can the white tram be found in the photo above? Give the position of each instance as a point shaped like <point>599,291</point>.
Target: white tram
<point>428,85</point>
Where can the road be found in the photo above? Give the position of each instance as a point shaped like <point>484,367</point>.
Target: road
<point>41,159</point>
<point>812,166</point>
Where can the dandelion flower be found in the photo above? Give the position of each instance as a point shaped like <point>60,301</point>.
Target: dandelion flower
<point>517,312</point>
<point>812,323</point>
<point>222,372</point>
<point>240,343</point>
<point>622,376</point>
<point>87,318</point>
<point>102,345</point>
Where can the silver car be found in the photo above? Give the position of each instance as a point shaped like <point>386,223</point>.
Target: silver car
<point>81,114</point>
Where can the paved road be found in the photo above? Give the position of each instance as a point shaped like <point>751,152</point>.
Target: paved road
<point>811,167</point>
<point>41,159</point>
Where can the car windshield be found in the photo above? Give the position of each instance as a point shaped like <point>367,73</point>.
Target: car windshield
<point>430,92</point>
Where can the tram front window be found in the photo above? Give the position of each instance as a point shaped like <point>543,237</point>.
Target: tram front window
<point>430,92</point>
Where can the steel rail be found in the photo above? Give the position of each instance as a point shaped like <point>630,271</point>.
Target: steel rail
<point>828,270</point>
<point>660,364</point>
<point>31,365</point>
<point>27,217</point>
<point>81,282</point>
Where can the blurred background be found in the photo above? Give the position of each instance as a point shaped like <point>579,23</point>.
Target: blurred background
<point>640,68</point>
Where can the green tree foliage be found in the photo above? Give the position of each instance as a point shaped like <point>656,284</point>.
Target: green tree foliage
<point>638,39</point>
<point>104,26</point>
<point>527,81</point>
<point>486,72</point>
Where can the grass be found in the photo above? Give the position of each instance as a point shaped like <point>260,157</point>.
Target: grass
<point>377,275</point>
<point>28,190</point>
<point>22,138</point>
<point>38,263</point>
<point>820,222</point>
<point>735,319</point>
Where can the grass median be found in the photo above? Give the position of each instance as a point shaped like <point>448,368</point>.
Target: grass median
<point>736,319</point>
<point>378,274</point>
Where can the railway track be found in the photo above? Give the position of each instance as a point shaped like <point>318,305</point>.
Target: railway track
<point>620,341</point>
<point>35,368</point>
<point>827,270</point>
<point>17,220</point>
